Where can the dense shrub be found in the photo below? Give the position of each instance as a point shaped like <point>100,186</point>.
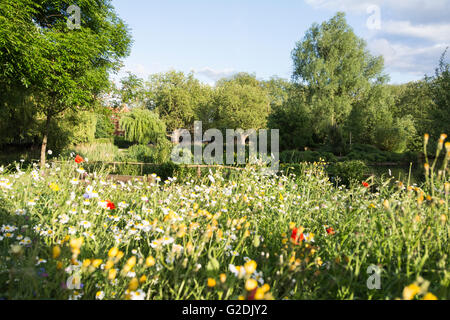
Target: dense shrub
<point>395,137</point>
<point>104,127</point>
<point>295,156</point>
<point>140,153</point>
<point>104,140</point>
<point>292,168</point>
<point>143,126</point>
<point>121,142</point>
<point>347,172</point>
<point>370,153</point>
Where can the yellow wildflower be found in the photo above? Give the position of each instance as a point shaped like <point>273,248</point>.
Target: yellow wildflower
<point>259,294</point>
<point>113,252</point>
<point>131,262</point>
<point>265,288</point>
<point>150,261</point>
<point>109,265</point>
<point>430,296</point>
<point>86,263</point>
<point>250,284</point>
<point>112,274</point>
<point>410,291</point>
<point>54,186</point>
<point>211,282</point>
<point>250,266</point>
<point>133,285</point>
<point>56,252</point>
<point>97,262</point>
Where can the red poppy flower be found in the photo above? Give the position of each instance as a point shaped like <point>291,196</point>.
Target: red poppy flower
<point>78,159</point>
<point>251,295</point>
<point>110,205</point>
<point>297,236</point>
<point>365,184</point>
<point>330,230</point>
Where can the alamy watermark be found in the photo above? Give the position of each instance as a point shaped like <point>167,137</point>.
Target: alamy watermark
<point>374,20</point>
<point>74,20</point>
<point>213,152</point>
<point>374,280</point>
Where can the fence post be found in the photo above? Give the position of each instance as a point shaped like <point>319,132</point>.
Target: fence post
<point>199,172</point>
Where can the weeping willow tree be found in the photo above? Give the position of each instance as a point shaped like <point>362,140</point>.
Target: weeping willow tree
<point>143,126</point>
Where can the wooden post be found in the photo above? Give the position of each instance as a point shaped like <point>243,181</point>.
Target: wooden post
<point>199,171</point>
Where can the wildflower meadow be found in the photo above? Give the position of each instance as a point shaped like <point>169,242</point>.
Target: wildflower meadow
<point>223,151</point>
<point>71,234</point>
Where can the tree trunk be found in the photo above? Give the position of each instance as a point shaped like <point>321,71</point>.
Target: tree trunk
<point>44,142</point>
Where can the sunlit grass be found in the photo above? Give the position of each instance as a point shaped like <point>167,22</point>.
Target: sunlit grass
<point>69,234</point>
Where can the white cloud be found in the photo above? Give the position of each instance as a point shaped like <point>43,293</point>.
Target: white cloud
<point>406,8</point>
<point>418,11</point>
<point>408,59</point>
<point>214,75</point>
<point>413,33</point>
<point>345,5</point>
<point>432,32</point>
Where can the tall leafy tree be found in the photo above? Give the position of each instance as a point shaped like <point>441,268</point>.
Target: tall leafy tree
<point>143,126</point>
<point>414,99</point>
<point>176,97</point>
<point>293,119</point>
<point>132,91</point>
<point>240,102</point>
<point>337,71</point>
<point>439,86</point>
<point>63,68</point>
<point>278,90</point>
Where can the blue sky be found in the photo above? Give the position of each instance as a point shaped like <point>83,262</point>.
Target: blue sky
<point>216,38</point>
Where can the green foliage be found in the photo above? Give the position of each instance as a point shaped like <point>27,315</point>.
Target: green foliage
<point>372,154</point>
<point>335,140</point>
<point>84,128</point>
<point>35,40</point>
<point>337,70</point>
<point>414,99</point>
<point>439,86</point>
<point>143,126</point>
<point>140,153</point>
<point>133,92</point>
<point>177,98</point>
<point>71,129</point>
<point>347,172</point>
<point>162,151</point>
<point>368,114</point>
<point>396,137</point>
<point>104,127</point>
<point>104,140</point>
<point>278,90</point>
<point>297,169</point>
<point>293,119</point>
<point>295,156</point>
<point>17,117</point>
<point>97,151</point>
<point>240,102</point>
<point>121,142</point>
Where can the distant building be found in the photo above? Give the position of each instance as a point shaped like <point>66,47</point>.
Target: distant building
<point>115,118</point>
